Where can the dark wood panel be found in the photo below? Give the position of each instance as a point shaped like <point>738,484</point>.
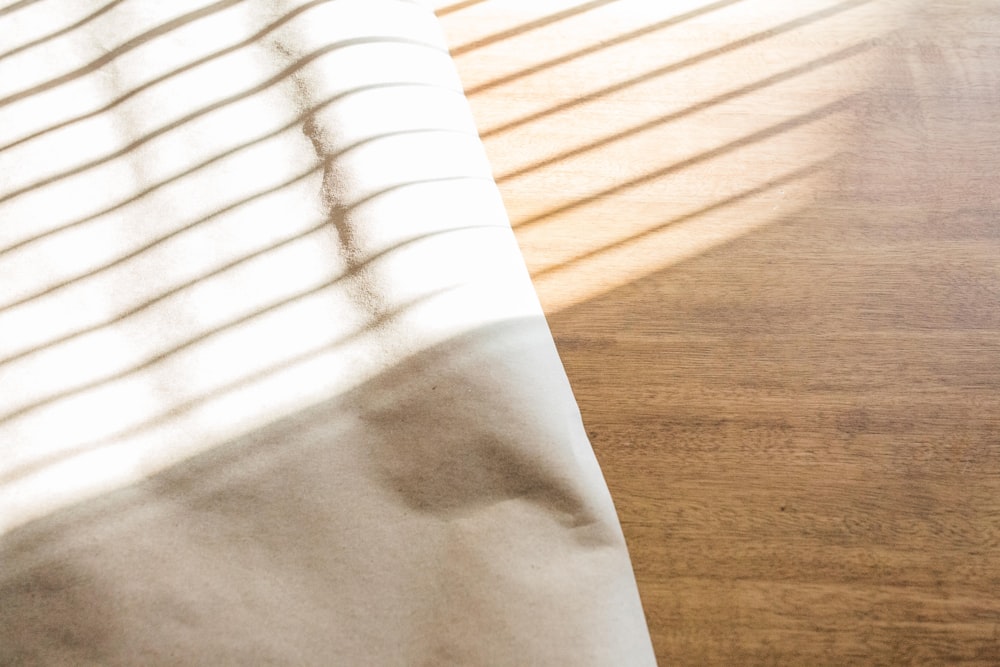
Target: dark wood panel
<point>767,236</point>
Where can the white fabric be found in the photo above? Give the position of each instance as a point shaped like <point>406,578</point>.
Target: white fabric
<point>274,384</point>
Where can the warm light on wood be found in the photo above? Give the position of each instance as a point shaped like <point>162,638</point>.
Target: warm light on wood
<point>765,236</point>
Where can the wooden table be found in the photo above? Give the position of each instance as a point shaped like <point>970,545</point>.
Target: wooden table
<point>767,238</point>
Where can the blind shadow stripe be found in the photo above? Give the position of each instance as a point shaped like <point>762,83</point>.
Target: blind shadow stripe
<point>673,67</point>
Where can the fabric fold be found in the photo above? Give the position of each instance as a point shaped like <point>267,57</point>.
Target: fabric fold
<point>276,388</point>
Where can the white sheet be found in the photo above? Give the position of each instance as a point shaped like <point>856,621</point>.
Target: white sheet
<point>274,384</point>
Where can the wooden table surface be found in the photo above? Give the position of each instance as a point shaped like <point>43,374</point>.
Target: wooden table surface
<point>767,239</point>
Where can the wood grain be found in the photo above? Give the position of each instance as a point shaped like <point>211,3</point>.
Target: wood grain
<point>767,237</point>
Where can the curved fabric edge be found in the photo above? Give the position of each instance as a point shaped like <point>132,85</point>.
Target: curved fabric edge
<point>280,390</point>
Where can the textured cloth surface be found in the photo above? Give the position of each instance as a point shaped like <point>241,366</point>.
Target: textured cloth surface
<point>274,384</point>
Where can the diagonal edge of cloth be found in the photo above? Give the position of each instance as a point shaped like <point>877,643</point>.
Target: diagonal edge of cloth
<point>276,388</point>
